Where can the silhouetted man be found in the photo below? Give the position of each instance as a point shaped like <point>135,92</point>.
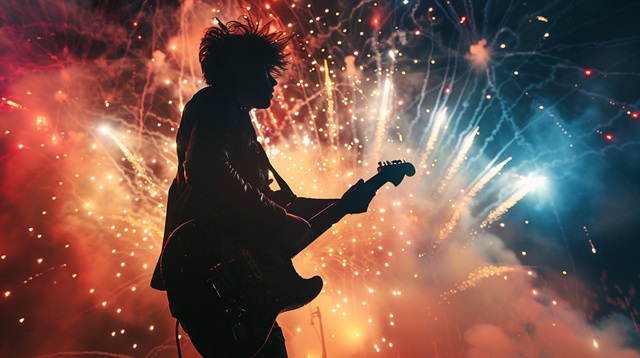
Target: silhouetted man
<point>223,172</point>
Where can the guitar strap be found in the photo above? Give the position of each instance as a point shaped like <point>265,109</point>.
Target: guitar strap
<point>283,184</point>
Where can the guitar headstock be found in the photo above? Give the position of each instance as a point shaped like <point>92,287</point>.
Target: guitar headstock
<point>395,170</point>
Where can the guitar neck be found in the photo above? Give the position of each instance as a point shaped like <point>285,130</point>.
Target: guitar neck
<point>323,220</point>
<point>356,200</point>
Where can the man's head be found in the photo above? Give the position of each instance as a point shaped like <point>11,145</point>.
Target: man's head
<point>243,57</point>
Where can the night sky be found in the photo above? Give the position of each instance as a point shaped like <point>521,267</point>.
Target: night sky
<point>518,237</point>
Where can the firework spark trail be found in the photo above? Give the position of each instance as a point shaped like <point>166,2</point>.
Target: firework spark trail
<point>457,161</point>
<point>478,275</point>
<point>462,204</point>
<point>332,122</point>
<point>139,169</point>
<point>383,115</point>
<point>440,120</point>
<point>510,202</point>
<point>485,179</point>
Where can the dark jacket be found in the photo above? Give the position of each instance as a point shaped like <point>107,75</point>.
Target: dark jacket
<point>222,169</point>
<point>223,172</point>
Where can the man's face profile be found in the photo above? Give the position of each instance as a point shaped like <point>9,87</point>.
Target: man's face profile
<point>255,87</point>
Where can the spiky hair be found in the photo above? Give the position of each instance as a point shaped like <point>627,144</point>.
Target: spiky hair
<point>227,49</point>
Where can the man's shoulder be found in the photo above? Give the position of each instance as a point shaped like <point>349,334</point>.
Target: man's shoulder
<point>209,107</point>
<point>209,97</point>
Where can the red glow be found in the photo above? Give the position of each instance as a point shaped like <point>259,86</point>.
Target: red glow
<point>608,137</point>
<point>588,72</point>
<point>634,115</point>
<point>463,19</point>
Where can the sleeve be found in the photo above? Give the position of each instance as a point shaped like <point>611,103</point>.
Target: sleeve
<point>307,208</point>
<point>209,172</point>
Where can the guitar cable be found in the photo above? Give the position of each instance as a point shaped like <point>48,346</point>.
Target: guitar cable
<point>178,339</point>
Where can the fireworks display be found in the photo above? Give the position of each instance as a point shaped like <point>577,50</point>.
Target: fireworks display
<point>515,237</point>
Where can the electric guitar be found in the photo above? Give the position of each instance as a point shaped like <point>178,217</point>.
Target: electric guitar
<point>238,284</point>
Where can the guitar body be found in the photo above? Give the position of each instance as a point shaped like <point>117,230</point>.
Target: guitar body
<point>230,285</point>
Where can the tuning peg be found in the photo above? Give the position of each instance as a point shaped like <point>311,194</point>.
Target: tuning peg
<point>392,162</point>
